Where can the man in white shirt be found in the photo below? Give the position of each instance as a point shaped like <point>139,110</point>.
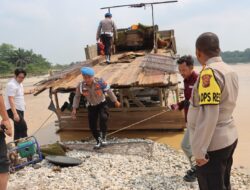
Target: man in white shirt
<point>15,104</point>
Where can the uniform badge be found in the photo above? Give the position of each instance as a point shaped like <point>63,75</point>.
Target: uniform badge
<point>206,80</point>
<point>208,88</point>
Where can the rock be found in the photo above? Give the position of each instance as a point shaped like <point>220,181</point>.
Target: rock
<point>56,169</point>
<point>36,166</point>
<point>117,170</point>
<point>53,149</point>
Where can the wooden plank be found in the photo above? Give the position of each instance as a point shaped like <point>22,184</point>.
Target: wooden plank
<point>131,109</point>
<point>129,76</point>
<point>168,120</point>
<point>159,62</point>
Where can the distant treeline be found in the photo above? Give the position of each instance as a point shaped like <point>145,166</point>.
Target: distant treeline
<point>236,56</point>
<point>35,64</point>
<point>233,57</point>
<point>12,57</point>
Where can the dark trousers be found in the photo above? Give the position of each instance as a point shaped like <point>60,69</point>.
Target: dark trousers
<point>215,175</point>
<point>107,41</point>
<point>4,162</point>
<point>100,112</point>
<point>20,127</point>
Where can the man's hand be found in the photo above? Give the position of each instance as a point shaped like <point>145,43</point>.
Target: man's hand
<point>73,113</point>
<point>117,104</point>
<point>201,162</point>
<point>8,126</point>
<point>16,117</point>
<point>174,107</point>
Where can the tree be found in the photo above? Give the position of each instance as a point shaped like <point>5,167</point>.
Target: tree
<point>10,57</point>
<point>6,51</point>
<point>20,58</point>
<point>236,56</point>
<point>5,67</point>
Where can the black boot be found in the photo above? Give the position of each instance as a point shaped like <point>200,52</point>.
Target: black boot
<point>191,175</point>
<point>104,141</point>
<point>98,144</point>
<point>107,59</point>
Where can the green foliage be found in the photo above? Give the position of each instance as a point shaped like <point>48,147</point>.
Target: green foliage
<point>5,67</point>
<point>236,56</point>
<point>6,51</point>
<point>11,57</point>
<point>59,67</point>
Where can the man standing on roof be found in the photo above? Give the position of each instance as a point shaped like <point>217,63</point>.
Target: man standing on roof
<point>106,30</point>
<point>212,128</point>
<point>186,69</point>
<point>7,129</point>
<point>94,89</point>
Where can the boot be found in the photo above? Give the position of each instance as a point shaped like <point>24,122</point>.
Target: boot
<point>98,144</point>
<point>107,59</point>
<point>191,175</point>
<point>104,141</point>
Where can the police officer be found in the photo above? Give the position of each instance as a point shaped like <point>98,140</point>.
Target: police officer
<point>213,132</point>
<point>94,89</point>
<point>7,129</point>
<point>106,30</point>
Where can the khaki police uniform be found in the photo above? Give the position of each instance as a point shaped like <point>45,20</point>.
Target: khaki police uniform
<point>212,128</point>
<point>106,30</point>
<point>97,105</point>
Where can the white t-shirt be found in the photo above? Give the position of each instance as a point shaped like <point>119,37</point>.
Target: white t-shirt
<point>15,89</point>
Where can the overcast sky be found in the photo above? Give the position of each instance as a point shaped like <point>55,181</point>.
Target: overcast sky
<point>60,29</point>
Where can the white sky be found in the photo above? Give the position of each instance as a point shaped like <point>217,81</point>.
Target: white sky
<point>60,29</point>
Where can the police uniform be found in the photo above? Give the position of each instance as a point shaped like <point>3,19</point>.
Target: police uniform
<point>97,108</point>
<point>105,31</point>
<point>212,128</point>
<point>4,162</point>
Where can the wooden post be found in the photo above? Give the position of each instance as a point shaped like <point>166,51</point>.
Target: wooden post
<point>135,100</point>
<point>87,52</point>
<point>161,97</point>
<point>166,96</point>
<point>177,95</point>
<point>56,100</point>
<point>121,97</point>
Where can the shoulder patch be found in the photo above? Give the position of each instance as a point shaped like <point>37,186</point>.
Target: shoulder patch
<point>208,88</point>
<point>102,84</point>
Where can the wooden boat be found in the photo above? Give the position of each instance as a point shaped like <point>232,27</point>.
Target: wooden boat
<point>142,77</point>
